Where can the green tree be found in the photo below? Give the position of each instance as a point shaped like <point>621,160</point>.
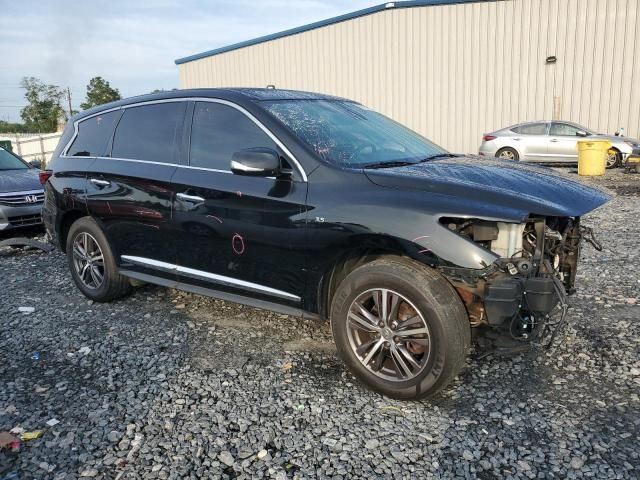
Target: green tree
<point>98,92</point>
<point>43,110</point>
<point>9,127</point>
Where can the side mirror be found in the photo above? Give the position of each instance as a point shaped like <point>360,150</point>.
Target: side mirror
<point>257,162</point>
<point>36,163</point>
<point>581,133</point>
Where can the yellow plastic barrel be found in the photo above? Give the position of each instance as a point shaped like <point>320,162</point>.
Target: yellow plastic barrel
<point>592,157</point>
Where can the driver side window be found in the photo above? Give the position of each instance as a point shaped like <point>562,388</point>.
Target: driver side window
<point>564,130</point>
<point>220,130</point>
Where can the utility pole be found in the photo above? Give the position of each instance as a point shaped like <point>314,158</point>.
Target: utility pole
<point>69,99</point>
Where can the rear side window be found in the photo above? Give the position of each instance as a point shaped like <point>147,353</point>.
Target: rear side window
<point>531,129</point>
<point>93,135</point>
<point>150,132</point>
<point>218,131</point>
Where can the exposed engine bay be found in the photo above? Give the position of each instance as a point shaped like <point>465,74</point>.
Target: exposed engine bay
<point>523,293</point>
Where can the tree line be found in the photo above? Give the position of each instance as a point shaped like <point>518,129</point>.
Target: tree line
<point>44,109</point>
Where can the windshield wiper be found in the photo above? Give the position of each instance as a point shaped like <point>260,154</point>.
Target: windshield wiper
<point>440,155</point>
<point>389,164</point>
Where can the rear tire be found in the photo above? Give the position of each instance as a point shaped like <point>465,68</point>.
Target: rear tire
<point>92,263</point>
<point>508,153</point>
<point>425,302</point>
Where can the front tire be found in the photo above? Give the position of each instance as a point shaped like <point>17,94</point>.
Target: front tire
<point>614,158</point>
<point>92,263</point>
<point>400,328</point>
<point>508,153</point>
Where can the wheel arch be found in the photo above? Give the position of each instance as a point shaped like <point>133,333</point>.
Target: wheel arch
<point>348,260</point>
<point>512,147</point>
<point>68,219</point>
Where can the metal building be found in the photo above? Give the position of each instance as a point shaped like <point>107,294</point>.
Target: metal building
<point>454,69</point>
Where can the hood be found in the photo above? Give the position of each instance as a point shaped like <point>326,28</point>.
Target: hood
<point>19,180</point>
<point>612,138</point>
<point>504,188</point>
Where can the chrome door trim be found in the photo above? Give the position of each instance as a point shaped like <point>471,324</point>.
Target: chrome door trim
<point>190,198</point>
<point>200,274</point>
<point>100,183</point>
<point>277,141</point>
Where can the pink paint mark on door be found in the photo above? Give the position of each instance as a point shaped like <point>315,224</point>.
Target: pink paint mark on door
<point>237,243</point>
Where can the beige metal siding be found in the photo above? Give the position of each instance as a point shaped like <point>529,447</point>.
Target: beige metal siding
<point>453,72</point>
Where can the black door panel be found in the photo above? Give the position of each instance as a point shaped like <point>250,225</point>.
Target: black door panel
<point>132,201</point>
<point>241,233</point>
<point>131,196</point>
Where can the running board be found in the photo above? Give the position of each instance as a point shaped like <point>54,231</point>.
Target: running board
<point>226,296</point>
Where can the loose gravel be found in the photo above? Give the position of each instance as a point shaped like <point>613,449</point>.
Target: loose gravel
<point>170,385</point>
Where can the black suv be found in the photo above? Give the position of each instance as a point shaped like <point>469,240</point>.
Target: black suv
<point>315,205</point>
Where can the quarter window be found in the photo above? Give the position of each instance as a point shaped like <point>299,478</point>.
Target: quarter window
<point>220,130</point>
<point>531,129</point>
<point>93,135</point>
<point>150,132</point>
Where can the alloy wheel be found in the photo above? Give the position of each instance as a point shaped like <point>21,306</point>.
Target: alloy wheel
<point>508,154</point>
<point>88,260</point>
<point>612,159</point>
<point>388,334</point>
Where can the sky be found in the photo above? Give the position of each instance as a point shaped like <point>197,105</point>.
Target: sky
<point>132,44</point>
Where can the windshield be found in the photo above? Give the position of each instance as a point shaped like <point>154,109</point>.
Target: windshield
<point>348,134</point>
<point>9,161</point>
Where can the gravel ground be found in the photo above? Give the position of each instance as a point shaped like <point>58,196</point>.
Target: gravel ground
<point>165,384</point>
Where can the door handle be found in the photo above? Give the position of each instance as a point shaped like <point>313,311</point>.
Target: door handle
<point>553,140</point>
<point>100,183</point>
<point>517,139</point>
<point>190,198</point>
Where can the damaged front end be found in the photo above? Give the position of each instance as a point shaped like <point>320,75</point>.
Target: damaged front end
<point>523,292</point>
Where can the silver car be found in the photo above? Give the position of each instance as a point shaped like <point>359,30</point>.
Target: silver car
<point>21,194</point>
<point>552,141</point>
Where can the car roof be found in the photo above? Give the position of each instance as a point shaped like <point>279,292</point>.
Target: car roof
<point>569,122</point>
<point>239,94</point>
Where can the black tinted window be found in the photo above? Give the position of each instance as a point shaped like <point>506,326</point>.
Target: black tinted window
<point>93,135</point>
<point>218,131</point>
<point>531,129</point>
<point>150,132</point>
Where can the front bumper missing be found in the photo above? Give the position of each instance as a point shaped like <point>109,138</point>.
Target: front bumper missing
<point>522,301</point>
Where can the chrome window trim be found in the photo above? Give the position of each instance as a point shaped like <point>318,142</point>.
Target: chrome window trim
<point>26,192</point>
<point>134,161</point>
<point>205,169</point>
<point>276,140</point>
<point>191,272</point>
